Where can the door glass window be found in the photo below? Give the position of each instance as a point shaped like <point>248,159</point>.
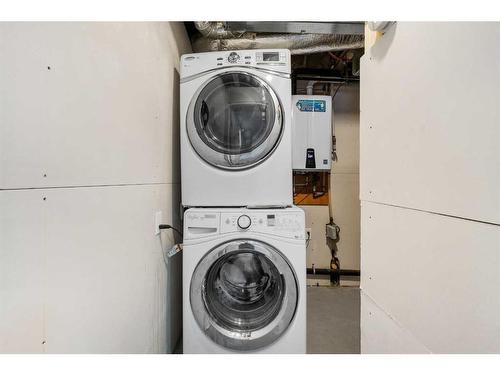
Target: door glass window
<point>234,113</point>
<point>243,290</point>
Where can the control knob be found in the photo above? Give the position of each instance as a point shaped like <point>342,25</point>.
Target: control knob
<point>233,57</point>
<point>244,222</point>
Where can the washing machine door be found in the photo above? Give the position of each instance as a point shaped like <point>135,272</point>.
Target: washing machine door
<point>244,294</point>
<point>235,120</point>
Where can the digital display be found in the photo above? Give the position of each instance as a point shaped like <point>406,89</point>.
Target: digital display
<point>271,56</point>
<point>271,221</point>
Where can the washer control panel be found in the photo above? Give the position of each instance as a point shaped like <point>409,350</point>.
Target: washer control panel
<point>288,224</point>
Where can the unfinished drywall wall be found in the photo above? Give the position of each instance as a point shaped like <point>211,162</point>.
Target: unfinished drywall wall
<point>344,188</point>
<point>430,177</point>
<point>89,155</point>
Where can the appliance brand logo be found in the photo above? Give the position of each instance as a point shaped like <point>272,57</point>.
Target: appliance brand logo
<point>310,105</point>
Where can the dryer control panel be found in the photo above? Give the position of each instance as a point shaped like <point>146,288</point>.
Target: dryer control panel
<point>276,60</point>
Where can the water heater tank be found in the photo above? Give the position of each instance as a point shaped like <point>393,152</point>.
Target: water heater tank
<point>312,132</point>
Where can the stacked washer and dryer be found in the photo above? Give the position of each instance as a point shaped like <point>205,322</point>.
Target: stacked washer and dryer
<point>244,262</point>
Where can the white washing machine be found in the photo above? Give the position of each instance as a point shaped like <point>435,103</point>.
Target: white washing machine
<point>235,128</point>
<point>244,281</point>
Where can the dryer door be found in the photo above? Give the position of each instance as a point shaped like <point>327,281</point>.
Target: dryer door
<point>234,120</point>
<point>244,294</point>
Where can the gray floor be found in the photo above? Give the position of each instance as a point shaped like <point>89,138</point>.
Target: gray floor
<point>333,320</point>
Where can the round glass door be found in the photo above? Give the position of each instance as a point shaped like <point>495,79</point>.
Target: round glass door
<point>234,120</point>
<point>244,294</point>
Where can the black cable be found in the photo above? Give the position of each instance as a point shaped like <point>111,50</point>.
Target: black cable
<point>166,226</point>
<point>337,90</point>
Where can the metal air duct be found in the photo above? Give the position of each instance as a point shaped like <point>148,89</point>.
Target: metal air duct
<point>215,37</point>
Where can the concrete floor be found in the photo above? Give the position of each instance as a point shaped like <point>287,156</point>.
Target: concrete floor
<point>333,320</point>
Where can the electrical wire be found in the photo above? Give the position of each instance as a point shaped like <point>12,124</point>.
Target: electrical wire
<point>167,226</point>
<point>337,90</point>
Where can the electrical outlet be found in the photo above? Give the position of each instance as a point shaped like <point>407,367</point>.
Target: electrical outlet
<point>308,233</point>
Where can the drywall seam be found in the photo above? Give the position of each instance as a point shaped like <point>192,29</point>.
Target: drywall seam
<point>91,186</point>
<point>431,212</point>
<point>410,334</point>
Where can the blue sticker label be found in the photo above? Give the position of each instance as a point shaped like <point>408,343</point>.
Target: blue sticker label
<point>311,105</point>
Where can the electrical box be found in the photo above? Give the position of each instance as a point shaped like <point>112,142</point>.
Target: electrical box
<point>312,132</point>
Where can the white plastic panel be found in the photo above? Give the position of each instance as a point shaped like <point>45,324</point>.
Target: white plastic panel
<point>381,334</point>
<point>87,104</point>
<point>438,276</point>
<point>21,271</point>
<point>429,119</point>
<point>311,132</point>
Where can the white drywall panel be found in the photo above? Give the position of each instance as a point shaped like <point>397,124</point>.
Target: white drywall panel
<point>429,119</point>
<point>107,287</point>
<point>438,276</point>
<point>82,271</point>
<point>86,104</point>
<point>22,262</point>
<point>381,334</point>
<point>89,103</point>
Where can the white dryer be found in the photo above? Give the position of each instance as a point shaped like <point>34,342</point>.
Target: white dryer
<point>244,281</point>
<point>235,110</point>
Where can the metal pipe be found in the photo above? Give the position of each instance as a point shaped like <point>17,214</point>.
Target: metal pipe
<point>310,87</point>
<point>326,271</point>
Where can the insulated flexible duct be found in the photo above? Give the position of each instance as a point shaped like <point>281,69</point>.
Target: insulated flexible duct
<point>215,30</point>
<point>216,38</point>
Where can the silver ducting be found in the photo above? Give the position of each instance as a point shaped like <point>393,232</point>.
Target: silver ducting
<point>215,37</point>
<point>215,30</point>
<point>298,44</point>
<point>381,26</point>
